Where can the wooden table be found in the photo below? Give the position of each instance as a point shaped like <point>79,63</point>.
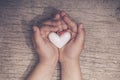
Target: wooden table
<point>100,59</point>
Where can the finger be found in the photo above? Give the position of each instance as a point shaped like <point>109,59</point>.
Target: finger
<point>73,35</point>
<point>59,26</point>
<point>72,25</point>
<point>57,17</point>
<point>80,35</point>
<point>64,26</point>
<point>62,13</point>
<point>37,36</point>
<point>54,21</point>
<point>51,23</point>
<point>45,30</point>
<point>48,28</point>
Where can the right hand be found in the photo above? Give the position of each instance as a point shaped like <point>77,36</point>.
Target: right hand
<point>46,50</point>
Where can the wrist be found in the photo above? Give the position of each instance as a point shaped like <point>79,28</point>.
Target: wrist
<point>65,60</point>
<point>69,58</point>
<point>51,61</point>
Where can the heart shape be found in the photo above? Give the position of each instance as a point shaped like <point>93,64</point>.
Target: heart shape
<point>59,41</point>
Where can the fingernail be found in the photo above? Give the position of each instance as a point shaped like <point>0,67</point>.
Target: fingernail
<point>57,16</point>
<point>62,13</point>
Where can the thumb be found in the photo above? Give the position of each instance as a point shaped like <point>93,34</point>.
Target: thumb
<point>80,35</point>
<point>36,36</point>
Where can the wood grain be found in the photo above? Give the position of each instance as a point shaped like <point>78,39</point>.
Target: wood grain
<point>100,59</point>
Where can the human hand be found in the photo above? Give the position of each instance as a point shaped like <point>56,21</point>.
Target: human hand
<point>46,50</point>
<point>67,55</point>
<point>48,53</point>
<point>72,50</point>
<point>74,47</point>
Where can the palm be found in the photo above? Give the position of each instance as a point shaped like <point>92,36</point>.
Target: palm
<point>49,48</point>
<point>45,49</point>
<point>73,48</point>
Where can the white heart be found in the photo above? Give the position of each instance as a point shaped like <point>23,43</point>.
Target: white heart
<point>59,41</point>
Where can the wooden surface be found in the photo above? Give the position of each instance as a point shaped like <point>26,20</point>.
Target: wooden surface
<point>100,59</point>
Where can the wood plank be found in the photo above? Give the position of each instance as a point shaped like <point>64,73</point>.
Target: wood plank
<point>99,61</point>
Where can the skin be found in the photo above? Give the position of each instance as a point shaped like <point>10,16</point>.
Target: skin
<point>70,53</point>
<point>49,55</point>
<point>74,47</point>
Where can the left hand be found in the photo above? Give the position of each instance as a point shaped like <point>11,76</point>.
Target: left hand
<point>72,50</point>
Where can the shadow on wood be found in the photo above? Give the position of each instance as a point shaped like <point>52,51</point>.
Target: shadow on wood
<point>48,14</point>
